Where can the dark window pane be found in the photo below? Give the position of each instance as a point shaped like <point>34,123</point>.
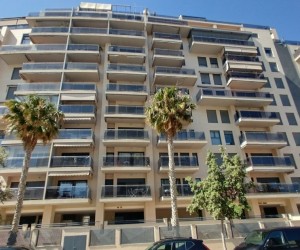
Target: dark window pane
<point>291,118</point>
<point>16,74</point>
<point>273,67</point>
<point>228,137</point>
<point>212,116</point>
<point>214,62</point>
<point>11,92</point>
<point>296,136</point>
<point>205,78</point>
<point>215,137</point>
<point>224,116</point>
<point>279,83</point>
<point>217,79</point>
<point>202,61</point>
<point>285,100</point>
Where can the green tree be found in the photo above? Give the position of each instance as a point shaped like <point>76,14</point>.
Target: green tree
<point>5,193</point>
<point>223,192</point>
<point>167,112</point>
<point>32,120</point>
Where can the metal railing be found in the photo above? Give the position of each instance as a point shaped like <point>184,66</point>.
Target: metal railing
<point>50,47</point>
<point>168,52</point>
<point>49,30</point>
<point>119,134</point>
<point>182,190</point>
<point>125,87</point>
<point>71,161</point>
<point>179,161</point>
<point>127,191</point>
<point>63,192</point>
<point>115,48</point>
<point>126,161</point>
<point>126,67</point>
<point>269,161</point>
<point>185,136</point>
<point>221,40</point>
<point>234,74</point>
<point>17,162</point>
<point>242,58</point>
<point>174,71</point>
<point>60,66</point>
<point>86,30</point>
<point>90,109</point>
<point>167,36</point>
<point>275,188</point>
<point>128,17</point>
<point>90,14</point>
<point>126,32</point>
<point>75,134</point>
<point>256,115</point>
<point>167,21</point>
<point>262,137</point>
<point>38,87</point>
<point>78,86</point>
<point>50,14</point>
<point>130,110</point>
<point>31,193</point>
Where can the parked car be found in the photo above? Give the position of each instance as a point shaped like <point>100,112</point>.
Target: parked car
<point>13,248</point>
<point>178,244</point>
<point>272,239</point>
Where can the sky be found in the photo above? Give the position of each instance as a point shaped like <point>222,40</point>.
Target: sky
<point>283,15</point>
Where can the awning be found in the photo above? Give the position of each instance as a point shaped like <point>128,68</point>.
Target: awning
<point>83,173</point>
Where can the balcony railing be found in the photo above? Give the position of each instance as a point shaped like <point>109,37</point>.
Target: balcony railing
<point>71,161</point>
<point>127,17</point>
<point>269,161</point>
<point>167,21</point>
<point>179,161</point>
<point>50,14</point>
<point>49,30</point>
<point>275,188</point>
<point>85,30</point>
<point>126,32</point>
<point>127,191</point>
<point>262,137</point>
<point>90,109</point>
<point>221,41</point>
<point>75,134</point>
<point>60,66</point>
<point>183,91</point>
<point>119,134</point>
<point>231,57</point>
<point>167,36</point>
<point>126,49</point>
<point>125,67</point>
<point>182,190</point>
<point>130,110</point>
<point>168,52</point>
<point>38,87</point>
<point>50,47</point>
<point>174,71</point>
<point>17,162</point>
<point>185,136</point>
<point>63,192</point>
<point>126,161</point>
<point>31,193</point>
<point>125,88</point>
<point>247,75</point>
<point>89,14</point>
<point>78,86</point>
<point>255,115</point>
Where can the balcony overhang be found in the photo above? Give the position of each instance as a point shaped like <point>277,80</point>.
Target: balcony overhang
<point>256,122</point>
<point>122,75</point>
<point>126,169</point>
<point>126,57</point>
<point>175,79</point>
<point>182,144</point>
<point>263,144</point>
<point>271,195</point>
<point>64,171</point>
<point>243,66</point>
<point>166,43</point>
<point>270,169</point>
<point>126,142</point>
<point>180,169</point>
<point>126,199</point>
<point>126,96</point>
<point>75,96</point>
<point>131,118</point>
<point>49,38</point>
<point>245,83</point>
<point>168,61</point>
<point>18,171</point>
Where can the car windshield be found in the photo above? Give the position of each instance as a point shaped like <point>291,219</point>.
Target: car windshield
<point>152,246</point>
<point>256,238</point>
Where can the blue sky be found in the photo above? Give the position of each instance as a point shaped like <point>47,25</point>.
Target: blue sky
<point>280,14</point>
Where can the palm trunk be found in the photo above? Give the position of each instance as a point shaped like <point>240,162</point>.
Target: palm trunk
<point>223,235</point>
<point>173,189</point>
<point>21,191</point>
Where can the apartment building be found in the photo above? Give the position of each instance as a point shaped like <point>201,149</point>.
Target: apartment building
<point>101,66</point>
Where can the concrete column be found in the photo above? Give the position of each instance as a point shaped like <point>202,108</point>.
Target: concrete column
<point>156,233</point>
<point>118,237</point>
<point>48,215</point>
<point>194,231</point>
<point>2,216</point>
<point>255,210</point>
<point>99,216</point>
<point>291,207</point>
<point>149,211</point>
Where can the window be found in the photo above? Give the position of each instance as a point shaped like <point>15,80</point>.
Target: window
<point>212,116</point>
<point>296,136</point>
<point>202,61</point>
<point>16,74</point>
<point>224,116</point>
<point>217,79</point>
<point>273,67</point>
<point>267,85</point>
<point>285,138</point>
<point>268,52</point>
<point>295,179</point>
<point>228,137</point>
<point>205,78</point>
<point>285,100</point>
<point>215,137</point>
<point>11,92</point>
<point>291,156</point>
<point>279,83</point>
<point>25,39</point>
<point>214,62</point>
<point>291,119</point>
<point>273,103</point>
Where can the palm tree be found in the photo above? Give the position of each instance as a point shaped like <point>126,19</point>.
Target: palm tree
<point>32,120</point>
<point>167,112</point>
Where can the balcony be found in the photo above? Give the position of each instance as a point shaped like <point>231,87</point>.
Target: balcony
<point>183,164</point>
<point>126,92</point>
<point>266,140</point>
<point>167,57</point>
<point>126,164</point>
<point>18,54</point>
<point>125,193</point>
<point>37,18</point>
<point>126,72</point>
<point>126,137</point>
<point>222,97</point>
<point>274,190</point>
<point>244,63</point>
<point>245,80</point>
<point>214,45</point>
<point>256,119</point>
<point>184,139</point>
<point>127,37</point>
<point>74,138</point>
<point>67,195</point>
<point>50,35</point>
<point>184,192</point>
<point>15,164</point>
<point>85,113</point>
<point>31,194</point>
<point>166,41</point>
<point>79,91</point>
<point>118,113</point>
<point>124,54</point>
<point>41,72</point>
<point>37,88</point>
<point>71,166</point>
<point>158,23</point>
<point>174,76</point>
<point>270,164</point>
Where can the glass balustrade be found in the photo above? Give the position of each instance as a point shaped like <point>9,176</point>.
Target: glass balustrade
<point>119,134</point>
<point>51,14</point>
<point>262,137</point>
<point>132,110</point>
<point>77,108</point>
<point>125,87</point>
<point>247,75</point>
<point>75,134</point>
<point>86,30</point>
<point>68,192</point>
<point>126,49</point>
<point>71,161</point>
<point>31,193</point>
<point>126,191</point>
<point>185,136</point>
<point>78,86</point>
<point>167,21</point>
<point>179,161</point>
<point>269,161</point>
<point>126,161</point>
<point>175,71</point>
<point>3,110</point>
<point>38,87</point>
<point>126,67</point>
<point>49,30</point>
<point>182,190</point>
<point>256,115</point>
<point>221,40</point>
<point>168,52</point>
<point>126,32</point>
<point>89,14</point>
<point>275,188</point>
<point>60,66</point>
<point>167,36</point>
<point>17,162</point>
